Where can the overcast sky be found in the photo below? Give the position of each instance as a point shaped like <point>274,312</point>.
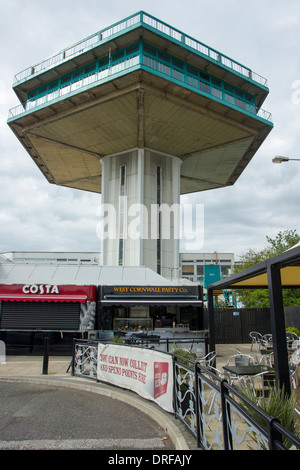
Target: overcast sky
<point>264,35</point>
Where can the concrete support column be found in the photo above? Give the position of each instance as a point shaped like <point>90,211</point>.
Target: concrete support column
<point>105,162</point>
<point>176,168</point>
<point>133,203</point>
<point>140,197</point>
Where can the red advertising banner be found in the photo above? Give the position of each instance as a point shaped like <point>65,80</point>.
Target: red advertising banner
<point>146,372</point>
<point>161,376</point>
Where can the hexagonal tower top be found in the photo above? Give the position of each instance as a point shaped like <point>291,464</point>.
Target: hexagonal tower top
<point>140,83</point>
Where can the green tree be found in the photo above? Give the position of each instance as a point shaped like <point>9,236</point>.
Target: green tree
<point>259,298</point>
<point>283,241</point>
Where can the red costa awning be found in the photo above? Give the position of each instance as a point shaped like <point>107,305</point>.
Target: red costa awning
<point>47,293</point>
<point>44,298</point>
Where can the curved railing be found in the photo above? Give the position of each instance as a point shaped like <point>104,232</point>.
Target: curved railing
<point>142,60</point>
<point>216,413</point>
<point>139,19</point>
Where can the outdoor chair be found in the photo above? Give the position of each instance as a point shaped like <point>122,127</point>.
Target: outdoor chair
<point>295,356</point>
<point>239,360</point>
<point>267,358</point>
<point>293,369</point>
<point>295,345</point>
<point>242,361</point>
<point>267,377</point>
<point>256,339</point>
<point>263,382</point>
<point>209,394</point>
<point>208,360</point>
<point>291,335</point>
<point>217,372</point>
<point>267,341</point>
<point>291,340</point>
<point>238,380</point>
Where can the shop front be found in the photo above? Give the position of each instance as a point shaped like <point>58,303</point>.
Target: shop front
<point>138,308</point>
<point>47,307</point>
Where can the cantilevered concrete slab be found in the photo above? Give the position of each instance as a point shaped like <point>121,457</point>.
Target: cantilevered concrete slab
<point>141,102</point>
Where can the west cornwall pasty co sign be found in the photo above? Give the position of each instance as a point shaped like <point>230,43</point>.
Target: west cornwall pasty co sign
<point>158,291</point>
<point>150,290</point>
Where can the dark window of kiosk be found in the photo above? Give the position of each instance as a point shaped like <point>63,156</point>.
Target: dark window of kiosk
<point>158,201</point>
<point>122,215</point>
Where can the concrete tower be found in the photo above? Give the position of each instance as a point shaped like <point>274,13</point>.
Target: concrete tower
<point>142,113</point>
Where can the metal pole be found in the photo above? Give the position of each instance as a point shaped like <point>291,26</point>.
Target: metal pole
<point>211,320</point>
<point>281,362</point>
<point>226,418</point>
<point>198,406</point>
<point>273,434</point>
<point>73,357</point>
<point>46,356</point>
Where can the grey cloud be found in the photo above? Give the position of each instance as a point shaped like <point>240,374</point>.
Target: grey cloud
<point>36,215</point>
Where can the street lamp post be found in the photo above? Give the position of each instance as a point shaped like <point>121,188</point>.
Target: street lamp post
<point>280,159</point>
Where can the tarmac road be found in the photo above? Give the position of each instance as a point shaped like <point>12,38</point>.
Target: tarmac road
<point>37,416</point>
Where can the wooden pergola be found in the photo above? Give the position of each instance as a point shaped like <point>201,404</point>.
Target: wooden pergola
<point>274,274</point>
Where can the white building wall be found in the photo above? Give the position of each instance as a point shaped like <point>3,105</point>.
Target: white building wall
<point>192,264</point>
<point>53,257</point>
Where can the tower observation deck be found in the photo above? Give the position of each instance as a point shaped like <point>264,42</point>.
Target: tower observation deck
<point>141,110</point>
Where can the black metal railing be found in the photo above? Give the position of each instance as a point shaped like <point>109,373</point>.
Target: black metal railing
<point>168,344</point>
<point>219,416</point>
<point>216,413</point>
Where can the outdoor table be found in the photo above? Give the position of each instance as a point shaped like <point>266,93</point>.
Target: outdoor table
<point>250,373</point>
<point>266,351</point>
<point>248,370</point>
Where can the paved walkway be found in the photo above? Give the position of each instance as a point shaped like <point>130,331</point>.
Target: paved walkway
<point>40,416</point>
<point>59,411</point>
<point>32,366</point>
<point>21,376</point>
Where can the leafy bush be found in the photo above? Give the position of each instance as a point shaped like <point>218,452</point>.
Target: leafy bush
<point>117,339</point>
<point>278,405</point>
<point>291,329</point>
<point>184,354</point>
